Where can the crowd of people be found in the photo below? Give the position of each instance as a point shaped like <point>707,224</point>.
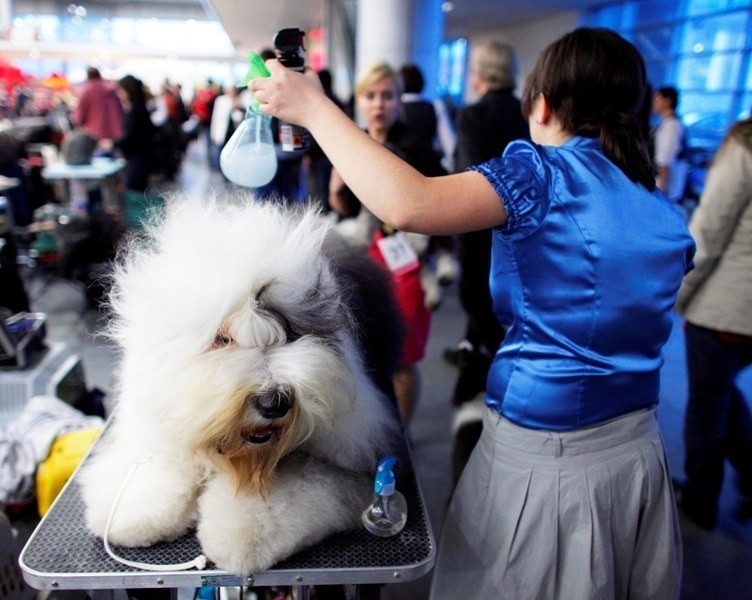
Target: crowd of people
<point>129,120</point>
<point>104,108</point>
<point>112,113</point>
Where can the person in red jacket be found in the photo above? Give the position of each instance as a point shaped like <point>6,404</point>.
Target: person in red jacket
<point>99,110</point>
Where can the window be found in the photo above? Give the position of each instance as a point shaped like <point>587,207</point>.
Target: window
<point>167,35</point>
<point>701,47</point>
<point>452,67</point>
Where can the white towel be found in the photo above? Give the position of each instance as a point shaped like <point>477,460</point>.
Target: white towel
<point>26,441</point>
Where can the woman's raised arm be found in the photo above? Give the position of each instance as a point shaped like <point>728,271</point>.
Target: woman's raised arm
<point>388,186</point>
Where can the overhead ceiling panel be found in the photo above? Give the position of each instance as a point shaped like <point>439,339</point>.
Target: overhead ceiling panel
<point>251,25</point>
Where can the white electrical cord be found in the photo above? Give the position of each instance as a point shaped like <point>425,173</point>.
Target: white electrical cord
<point>199,562</point>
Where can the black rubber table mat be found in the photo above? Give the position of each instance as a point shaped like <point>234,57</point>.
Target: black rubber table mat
<point>62,554</point>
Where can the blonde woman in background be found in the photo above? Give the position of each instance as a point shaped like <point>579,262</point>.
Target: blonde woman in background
<point>377,99</point>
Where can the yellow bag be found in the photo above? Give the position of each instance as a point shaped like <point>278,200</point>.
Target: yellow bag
<point>65,455</point>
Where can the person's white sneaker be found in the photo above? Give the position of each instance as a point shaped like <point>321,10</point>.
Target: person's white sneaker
<point>431,290</point>
<point>447,268</point>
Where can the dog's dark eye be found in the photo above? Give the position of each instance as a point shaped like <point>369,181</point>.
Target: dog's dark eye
<point>221,340</point>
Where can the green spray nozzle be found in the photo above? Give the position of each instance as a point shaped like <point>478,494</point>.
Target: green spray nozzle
<point>256,69</point>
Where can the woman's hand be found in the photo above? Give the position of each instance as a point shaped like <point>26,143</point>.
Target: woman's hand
<point>289,95</point>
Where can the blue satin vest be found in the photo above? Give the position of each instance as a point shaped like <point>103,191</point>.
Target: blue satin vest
<point>585,272</point>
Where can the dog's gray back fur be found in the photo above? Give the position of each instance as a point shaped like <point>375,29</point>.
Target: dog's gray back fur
<point>369,293</point>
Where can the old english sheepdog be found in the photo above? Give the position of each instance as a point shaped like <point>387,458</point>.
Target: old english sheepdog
<point>253,396</point>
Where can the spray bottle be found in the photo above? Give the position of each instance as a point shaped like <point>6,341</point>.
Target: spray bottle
<point>249,157</point>
<point>288,43</point>
<point>387,513</point>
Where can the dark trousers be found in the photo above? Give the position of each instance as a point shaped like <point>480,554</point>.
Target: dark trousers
<point>12,292</point>
<point>137,170</point>
<point>483,331</point>
<point>717,423</point>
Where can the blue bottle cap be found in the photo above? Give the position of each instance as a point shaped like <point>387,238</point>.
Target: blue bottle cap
<point>384,484</point>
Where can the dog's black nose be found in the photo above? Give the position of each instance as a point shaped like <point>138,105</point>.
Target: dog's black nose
<point>273,403</point>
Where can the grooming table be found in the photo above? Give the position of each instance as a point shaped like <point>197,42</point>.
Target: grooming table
<point>102,171</point>
<point>62,554</point>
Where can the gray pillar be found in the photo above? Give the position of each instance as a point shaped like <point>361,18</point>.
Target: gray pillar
<point>5,15</point>
<point>400,31</point>
<point>383,33</point>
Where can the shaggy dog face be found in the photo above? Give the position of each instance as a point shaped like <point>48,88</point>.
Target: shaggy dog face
<point>249,335</point>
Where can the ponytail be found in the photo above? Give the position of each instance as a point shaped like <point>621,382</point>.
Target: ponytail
<point>621,138</point>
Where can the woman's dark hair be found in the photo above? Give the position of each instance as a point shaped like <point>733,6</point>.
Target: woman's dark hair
<point>412,78</point>
<point>134,89</point>
<point>594,82</point>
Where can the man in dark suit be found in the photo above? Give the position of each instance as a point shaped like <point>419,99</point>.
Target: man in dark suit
<point>422,122</point>
<point>483,131</point>
<point>416,113</point>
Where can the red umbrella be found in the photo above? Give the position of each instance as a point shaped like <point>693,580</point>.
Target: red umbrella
<point>11,75</point>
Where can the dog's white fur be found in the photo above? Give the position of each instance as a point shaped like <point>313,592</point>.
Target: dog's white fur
<point>221,304</point>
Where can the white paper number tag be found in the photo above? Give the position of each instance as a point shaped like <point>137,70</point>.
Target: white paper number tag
<point>397,253</point>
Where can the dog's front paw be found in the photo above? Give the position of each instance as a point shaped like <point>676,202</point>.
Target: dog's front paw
<point>233,531</point>
<point>148,502</point>
<point>235,553</point>
<point>237,543</point>
<point>309,500</point>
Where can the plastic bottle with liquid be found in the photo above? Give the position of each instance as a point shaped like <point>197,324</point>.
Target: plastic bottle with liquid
<point>249,157</point>
<point>387,513</point>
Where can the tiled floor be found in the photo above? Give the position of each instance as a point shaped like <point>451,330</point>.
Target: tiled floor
<point>718,564</point>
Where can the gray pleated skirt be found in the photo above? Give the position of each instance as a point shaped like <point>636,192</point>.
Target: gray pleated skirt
<point>577,515</point>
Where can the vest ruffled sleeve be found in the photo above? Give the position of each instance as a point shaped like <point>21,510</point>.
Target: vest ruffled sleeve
<point>522,182</point>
